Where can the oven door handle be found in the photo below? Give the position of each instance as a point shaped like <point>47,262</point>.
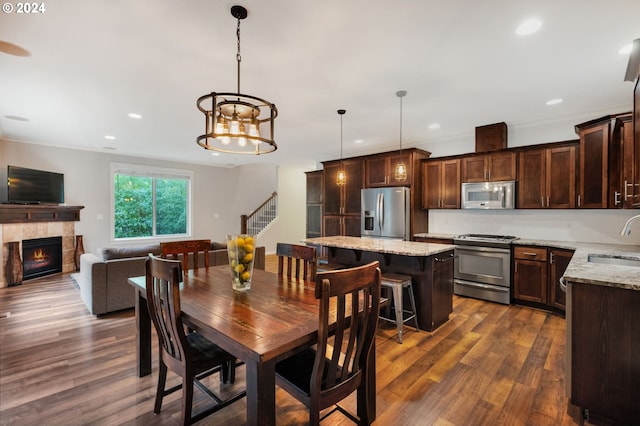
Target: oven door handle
<point>482,286</point>
<point>482,249</point>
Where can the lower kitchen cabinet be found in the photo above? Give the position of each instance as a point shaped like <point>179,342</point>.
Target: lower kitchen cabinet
<point>604,344</point>
<point>537,272</point>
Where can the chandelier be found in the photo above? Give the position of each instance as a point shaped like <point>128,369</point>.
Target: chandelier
<point>401,168</point>
<point>341,177</point>
<point>234,122</point>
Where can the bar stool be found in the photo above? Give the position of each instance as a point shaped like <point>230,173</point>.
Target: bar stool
<point>396,283</point>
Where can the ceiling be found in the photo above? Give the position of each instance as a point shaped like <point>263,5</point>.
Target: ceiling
<point>91,63</point>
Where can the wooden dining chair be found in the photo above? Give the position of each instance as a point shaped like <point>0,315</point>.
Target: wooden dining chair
<point>173,250</point>
<point>299,260</point>
<point>338,366</point>
<point>189,355</point>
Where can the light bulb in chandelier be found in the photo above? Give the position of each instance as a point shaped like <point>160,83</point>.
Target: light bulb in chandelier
<point>401,172</point>
<point>341,178</point>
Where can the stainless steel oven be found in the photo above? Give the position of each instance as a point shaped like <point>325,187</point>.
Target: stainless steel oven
<point>482,267</point>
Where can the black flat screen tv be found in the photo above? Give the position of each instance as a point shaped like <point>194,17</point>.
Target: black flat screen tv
<point>29,186</point>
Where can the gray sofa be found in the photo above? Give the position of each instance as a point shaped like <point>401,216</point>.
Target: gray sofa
<point>103,278</point>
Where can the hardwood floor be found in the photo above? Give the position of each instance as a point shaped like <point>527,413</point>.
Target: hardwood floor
<point>489,365</point>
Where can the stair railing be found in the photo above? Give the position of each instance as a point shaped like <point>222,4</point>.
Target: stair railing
<point>258,219</point>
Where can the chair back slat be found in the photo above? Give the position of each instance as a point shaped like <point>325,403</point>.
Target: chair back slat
<point>301,262</point>
<point>163,300</point>
<point>355,295</point>
<point>182,249</point>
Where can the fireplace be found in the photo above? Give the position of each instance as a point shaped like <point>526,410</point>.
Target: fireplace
<point>41,256</point>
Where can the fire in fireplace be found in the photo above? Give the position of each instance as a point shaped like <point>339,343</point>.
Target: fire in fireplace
<point>41,256</point>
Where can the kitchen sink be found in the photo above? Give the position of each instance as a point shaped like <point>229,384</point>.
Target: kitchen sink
<point>614,259</point>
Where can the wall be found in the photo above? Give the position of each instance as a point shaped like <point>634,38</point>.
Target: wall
<point>220,195</point>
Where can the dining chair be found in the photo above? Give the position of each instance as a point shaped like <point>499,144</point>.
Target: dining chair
<point>299,260</point>
<point>172,250</point>
<point>339,365</point>
<point>189,355</point>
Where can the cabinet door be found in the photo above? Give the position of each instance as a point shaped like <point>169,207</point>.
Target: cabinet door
<point>594,143</point>
<point>331,226</point>
<point>376,171</point>
<point>474,169</point>
<point>530,281</point>
<point>442,287</point>
<point>450,189</point>
<point>314,220</point>
<point>531,179</point>
<point>558,262</point>
<point>432,172</point>
<point>314,187</point>
<point>561,177</point>
<point>355,179</point>
<point>633,191</point>
<point>352,226</point>
<point>501,166</point>
<point>332,201</point>
<point>622,194</point>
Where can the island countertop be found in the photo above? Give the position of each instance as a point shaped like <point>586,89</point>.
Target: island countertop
<point>381,245</point>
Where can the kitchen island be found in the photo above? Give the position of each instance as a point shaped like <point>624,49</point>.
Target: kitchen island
<point>429,265</point>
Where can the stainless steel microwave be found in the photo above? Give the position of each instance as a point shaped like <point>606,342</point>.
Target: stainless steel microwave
<point>489,195</point>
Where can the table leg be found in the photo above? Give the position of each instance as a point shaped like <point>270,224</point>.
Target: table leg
<point>261,393</point>
<point>143,336</point>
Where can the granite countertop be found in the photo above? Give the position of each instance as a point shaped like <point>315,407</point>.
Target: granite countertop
<point>381,245</point>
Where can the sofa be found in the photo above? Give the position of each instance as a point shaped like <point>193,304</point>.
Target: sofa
<point>103,277</point>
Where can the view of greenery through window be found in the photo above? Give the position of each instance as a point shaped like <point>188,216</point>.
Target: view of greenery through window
<point>134,201</point>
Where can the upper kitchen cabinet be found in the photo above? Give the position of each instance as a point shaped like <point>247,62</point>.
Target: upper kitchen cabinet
<point>497,166</point>
<point>380,168</point>
<point>601,162</point>
<point>441,184</point>
<point>547,177</point>
<point>623,183</point>
<point>314,203</point>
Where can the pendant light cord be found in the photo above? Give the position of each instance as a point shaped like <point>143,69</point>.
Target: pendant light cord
<point>238,57</point>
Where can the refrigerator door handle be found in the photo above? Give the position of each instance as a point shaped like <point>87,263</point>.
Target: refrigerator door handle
<point>381,211</point>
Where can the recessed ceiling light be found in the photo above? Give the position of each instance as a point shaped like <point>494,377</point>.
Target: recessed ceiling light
<point>111,138</point>
<point>434,126</point>
<point>134,115</point>
<point>554,101</point>
<point>16,118</point>
<point>529,26</point>
<point>625,50</point>
<point>358,141</point>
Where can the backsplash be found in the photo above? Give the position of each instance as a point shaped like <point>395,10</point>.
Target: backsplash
<point>592,226</point>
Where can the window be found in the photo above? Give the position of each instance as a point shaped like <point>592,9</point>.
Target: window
<point>150,202</point>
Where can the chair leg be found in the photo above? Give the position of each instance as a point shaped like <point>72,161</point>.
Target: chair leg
<point>397,301</point>
<point>413,307</point>
<point>162,378</point>
<point>187,399</point>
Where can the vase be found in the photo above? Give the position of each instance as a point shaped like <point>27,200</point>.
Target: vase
<point>241,250</point>
<point>79,251</point>
<point>13,270</point>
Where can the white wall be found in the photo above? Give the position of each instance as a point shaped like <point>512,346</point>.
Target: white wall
<point>220,195</point>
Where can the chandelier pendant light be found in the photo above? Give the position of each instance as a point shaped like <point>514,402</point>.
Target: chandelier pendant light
<point>401,168</point>
<point>234,122</point>
<point>341,177</point>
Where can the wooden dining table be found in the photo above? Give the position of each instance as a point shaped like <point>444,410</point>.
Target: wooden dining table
<point>261,326</point>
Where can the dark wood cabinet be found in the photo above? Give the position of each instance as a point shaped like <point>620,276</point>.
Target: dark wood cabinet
<point>380,169</point>
<point>441,184</point>
<point>442,289</point>
<point>537,272</point>
<point>558,261</point>
<point>341,204</point>
<point>593,190</point>
<point>497,166</point>
<point>547,178</point>
<point>530,274</point>
<point>635,184</point>
<point>622,185</point>
<point>604,352</point>
<point>315,182</point>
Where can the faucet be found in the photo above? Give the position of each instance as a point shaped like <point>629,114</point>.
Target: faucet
<point>626,229</point>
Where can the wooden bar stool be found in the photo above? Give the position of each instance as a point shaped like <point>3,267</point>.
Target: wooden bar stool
<point>396,283</point>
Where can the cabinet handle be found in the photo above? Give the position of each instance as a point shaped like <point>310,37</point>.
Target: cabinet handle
<point>551,258</point>
<point>616,200</point>
<point>516,267</point>
<point>547,201</point>
<point>542,201</point>
<point>626,190</point>
<point>563,286</point>
<point>527,253</point>
<point>579,200</point>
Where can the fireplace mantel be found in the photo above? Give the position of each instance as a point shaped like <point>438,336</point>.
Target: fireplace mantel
<point>18,213</point>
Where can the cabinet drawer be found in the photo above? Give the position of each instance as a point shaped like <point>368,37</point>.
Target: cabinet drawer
<point>531,253</point>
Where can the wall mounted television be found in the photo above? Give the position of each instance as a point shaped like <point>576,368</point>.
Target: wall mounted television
<point>29,186</point>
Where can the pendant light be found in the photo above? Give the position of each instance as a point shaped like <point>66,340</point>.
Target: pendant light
<point>234,122</point>
<point>401,168</point>
<point>341,177</point>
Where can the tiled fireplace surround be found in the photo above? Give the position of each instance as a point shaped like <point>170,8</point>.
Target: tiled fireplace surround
<point>28,230</point>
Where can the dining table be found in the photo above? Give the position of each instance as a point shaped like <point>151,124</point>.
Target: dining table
<point>274,319</point>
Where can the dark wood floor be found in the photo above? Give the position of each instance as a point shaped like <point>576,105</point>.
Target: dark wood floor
<point>489,365</point>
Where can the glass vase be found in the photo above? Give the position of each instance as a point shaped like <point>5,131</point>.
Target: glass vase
<point>241,249</point>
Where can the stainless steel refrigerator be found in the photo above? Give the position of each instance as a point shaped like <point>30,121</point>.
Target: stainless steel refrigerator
<point>386,212</point>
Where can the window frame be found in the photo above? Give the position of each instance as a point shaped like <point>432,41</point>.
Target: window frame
<point>153,172</point>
